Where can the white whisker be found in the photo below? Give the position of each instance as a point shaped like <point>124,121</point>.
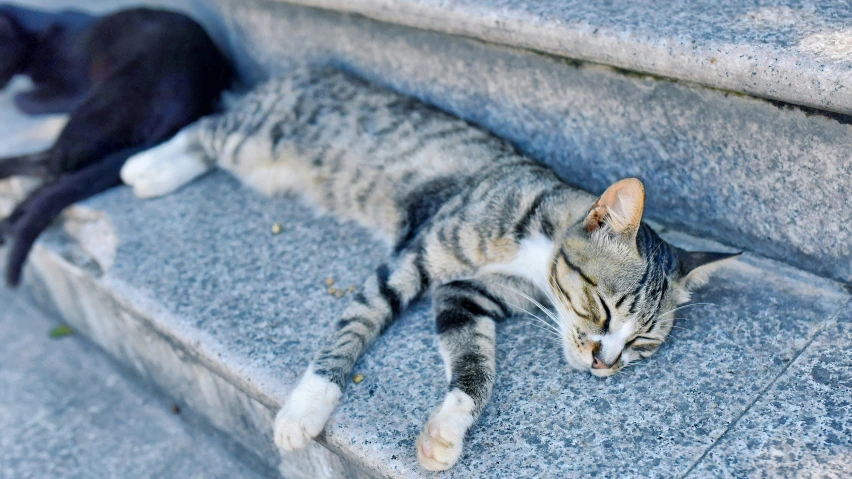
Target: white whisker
<point>680,327</point>
<point>550,326</point>
<point>549,335</point>
<point>678,308</point>
<point>531,300</point>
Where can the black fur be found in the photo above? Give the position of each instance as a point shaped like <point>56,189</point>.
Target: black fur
<point>423,203</point>
<point>148,73</point>
<point>50,48</point>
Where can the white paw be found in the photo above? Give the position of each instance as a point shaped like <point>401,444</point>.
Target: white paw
<point>440,443</point>
<point>305,412</point>
<point>164,168</point>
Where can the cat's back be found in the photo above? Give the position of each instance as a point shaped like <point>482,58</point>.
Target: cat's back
<point>358,149</point>
<point>314,109</point>
<point>147,48</point>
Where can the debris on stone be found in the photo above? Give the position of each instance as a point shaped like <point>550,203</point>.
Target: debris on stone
<point>175,409</point>
<point>352,289</point>
<point>358,378</point>
<point>61,331</point>
<point>277,228</point>
<point>329,281</point>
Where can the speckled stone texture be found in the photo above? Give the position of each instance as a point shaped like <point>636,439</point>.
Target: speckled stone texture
<point>67,411</point>
<point>742,170</point>
<point>802,427</point>
<point>201,273</point>
<point>796,51</point>
<point>202,301</point>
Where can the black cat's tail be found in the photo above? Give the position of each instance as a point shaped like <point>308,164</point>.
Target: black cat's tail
<point>49,202</point>
<point>35,164</point>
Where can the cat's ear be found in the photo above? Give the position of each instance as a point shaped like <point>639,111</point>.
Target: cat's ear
<point>695,267</point>
<point>619,208</point>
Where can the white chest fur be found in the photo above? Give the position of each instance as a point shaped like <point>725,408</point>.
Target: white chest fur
<point>532,261</point>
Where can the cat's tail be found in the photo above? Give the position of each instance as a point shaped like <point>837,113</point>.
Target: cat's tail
<point>34,164</point>
<point>49,201</point>
<point>165,168</point>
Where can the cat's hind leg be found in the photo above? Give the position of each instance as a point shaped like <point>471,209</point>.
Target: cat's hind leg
<point>465,314</point>
<point>311,403</point>
<point>47,100</point>
<point>34,164</point>
<point>163,169</point>
<point>45,204</point>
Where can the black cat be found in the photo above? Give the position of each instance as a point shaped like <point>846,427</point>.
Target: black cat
<point>130,80</point>
<point>50,49</point>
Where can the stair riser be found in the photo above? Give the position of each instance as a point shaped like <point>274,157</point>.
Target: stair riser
<point>162,361</point>
<point>742,170</point>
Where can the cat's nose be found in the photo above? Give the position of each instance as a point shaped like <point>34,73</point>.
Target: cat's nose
<point>598,364</point>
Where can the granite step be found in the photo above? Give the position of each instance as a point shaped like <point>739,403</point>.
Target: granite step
<point>736,115</point>
<point>67,411</point>
<point>196,295</point>
<point>796,52</point>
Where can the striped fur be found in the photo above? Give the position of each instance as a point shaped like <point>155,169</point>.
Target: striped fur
<point>488,232</point>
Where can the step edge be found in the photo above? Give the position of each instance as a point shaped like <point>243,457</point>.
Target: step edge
<point>727,71</point>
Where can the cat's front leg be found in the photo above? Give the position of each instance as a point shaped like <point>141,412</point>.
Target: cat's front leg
<point>465,314</point>
<point>316,395</point>
<point>306,411</point>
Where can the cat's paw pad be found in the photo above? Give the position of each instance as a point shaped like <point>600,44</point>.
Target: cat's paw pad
<point>305,412</point>
<point>438,449</point>
<point>294,432</point>
<point>440,443</point>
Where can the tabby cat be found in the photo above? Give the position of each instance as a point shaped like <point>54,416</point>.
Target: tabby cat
<point>488,232</point>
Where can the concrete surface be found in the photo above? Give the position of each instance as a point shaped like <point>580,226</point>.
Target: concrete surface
<point>790,50</point>
<point>203,300</point>
<point>741,170</point>
<point>67,411</point>
<point>802,427</point>
<point>196,296</point>
<point>738,169</point>
<point>794,51</point>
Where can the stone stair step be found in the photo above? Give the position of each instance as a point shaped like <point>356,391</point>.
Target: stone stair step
<point>194,294</point>
<point>202,300</point>
<point>784,50</point>
<point>723,158</point>
<point>745,170</point>
<point>801,425</point>
<point>68,411</point>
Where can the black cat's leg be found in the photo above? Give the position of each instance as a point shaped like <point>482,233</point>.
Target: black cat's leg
<point>96,129</point>
<point>35,164</point>
<point>7,223</point>
<point>385,295</point>
<point>48,202</point>
<point>466,311</point>
<point>48,99</point>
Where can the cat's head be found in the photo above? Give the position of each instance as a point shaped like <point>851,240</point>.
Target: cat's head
<point>15,45</point>
<point>616,284</point>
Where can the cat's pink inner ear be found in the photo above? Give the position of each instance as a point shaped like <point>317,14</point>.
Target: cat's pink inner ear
<point>620,207</point>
